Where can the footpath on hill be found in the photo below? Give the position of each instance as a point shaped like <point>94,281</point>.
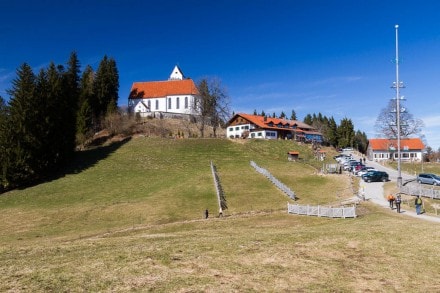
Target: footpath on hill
<point>374,192</point>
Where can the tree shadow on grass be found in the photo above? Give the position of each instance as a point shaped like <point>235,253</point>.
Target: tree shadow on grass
<point>82,160</point>
<point>89,158</point>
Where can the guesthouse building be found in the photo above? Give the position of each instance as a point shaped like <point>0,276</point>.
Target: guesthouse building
<point>261,127</point>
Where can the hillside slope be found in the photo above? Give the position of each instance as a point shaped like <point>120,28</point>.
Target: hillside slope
<point>129,217</point>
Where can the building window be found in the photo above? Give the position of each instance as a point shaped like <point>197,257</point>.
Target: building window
<point>157,104</point>
<point>177,103</point>
<point>231,129</point>
<point>169,103</point>
<point>149,105</point>
<point>237,128</point>
<point>186,102</point>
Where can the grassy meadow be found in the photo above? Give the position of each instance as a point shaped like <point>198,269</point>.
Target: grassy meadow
<point>130,217</point>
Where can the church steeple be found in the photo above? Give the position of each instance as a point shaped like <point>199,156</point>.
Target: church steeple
<point>176,74</point>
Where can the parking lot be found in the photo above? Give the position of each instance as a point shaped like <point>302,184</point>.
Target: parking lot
<point>374,192</point>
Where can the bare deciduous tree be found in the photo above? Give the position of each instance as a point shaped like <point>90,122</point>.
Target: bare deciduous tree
<point>386,122</point>
<point>213,104</point>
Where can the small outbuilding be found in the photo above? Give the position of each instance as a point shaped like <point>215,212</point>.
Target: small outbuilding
<point>293,156</point>
<point>320,155</point>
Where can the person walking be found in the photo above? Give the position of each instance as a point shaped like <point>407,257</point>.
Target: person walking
<point>398,202</point>
<point>391,200</point>
<point>418,202</point>
<point>206,213</point>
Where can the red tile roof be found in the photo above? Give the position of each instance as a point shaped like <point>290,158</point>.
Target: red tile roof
<point>405,143</point>
<point>159,89</point>
<point>260,122</point>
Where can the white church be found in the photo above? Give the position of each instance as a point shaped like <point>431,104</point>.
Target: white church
<point>173,97</point>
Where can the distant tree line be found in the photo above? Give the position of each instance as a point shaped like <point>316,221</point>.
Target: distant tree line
<point>338,136</point>
<point>281,116</point>
<point>49,113</point>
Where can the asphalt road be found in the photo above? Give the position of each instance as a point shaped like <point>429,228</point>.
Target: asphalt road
<point>374,191</point>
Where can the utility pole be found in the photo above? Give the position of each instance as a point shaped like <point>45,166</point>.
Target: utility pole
<point>398,85</point>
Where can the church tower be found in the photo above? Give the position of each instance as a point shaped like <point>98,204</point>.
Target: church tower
<point>176,74</point>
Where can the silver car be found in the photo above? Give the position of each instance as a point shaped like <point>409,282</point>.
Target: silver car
<point>427,178</point>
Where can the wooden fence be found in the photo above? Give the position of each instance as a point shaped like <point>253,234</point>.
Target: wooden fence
<point>275,181</point>
<point>220,193</point>
<point>322,211</point>
<point>419,190</point>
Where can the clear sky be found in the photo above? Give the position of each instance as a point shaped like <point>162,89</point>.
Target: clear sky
<point>334,57</point>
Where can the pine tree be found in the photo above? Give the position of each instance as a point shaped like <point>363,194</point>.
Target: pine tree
<point>113,73</point>
<point>346,133</point>
<point>20,137</point>
<point>106,88</point>
<point>360,141</point>
<point>332,132</point>
<point>293,115</point>
<point>69,105</point>
<point>308,119</point>
<point>57,112</point>
<point>43,130</point>
<point>84,119</point>
<point>3,142</point>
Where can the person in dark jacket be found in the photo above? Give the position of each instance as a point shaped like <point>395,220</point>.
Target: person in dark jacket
<point>398,201</point>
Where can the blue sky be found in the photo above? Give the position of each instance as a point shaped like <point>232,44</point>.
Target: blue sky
<point>334,57</point>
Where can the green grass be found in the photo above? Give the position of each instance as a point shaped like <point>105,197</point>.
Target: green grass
<point>415,168</point>
<point>129,217</point>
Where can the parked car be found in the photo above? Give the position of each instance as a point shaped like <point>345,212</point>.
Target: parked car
<point>427,178</point>
<point>342,159</point>
<point>374,176</point>
<point>355,168</point>
<point>350,165</point>
<point>364,170</point>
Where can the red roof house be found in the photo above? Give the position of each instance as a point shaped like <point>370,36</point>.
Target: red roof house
<point>380,149</point>
<point>256,126</point>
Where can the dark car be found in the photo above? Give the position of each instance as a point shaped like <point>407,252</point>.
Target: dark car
<point>427,178</point>
<point>374,176</point>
